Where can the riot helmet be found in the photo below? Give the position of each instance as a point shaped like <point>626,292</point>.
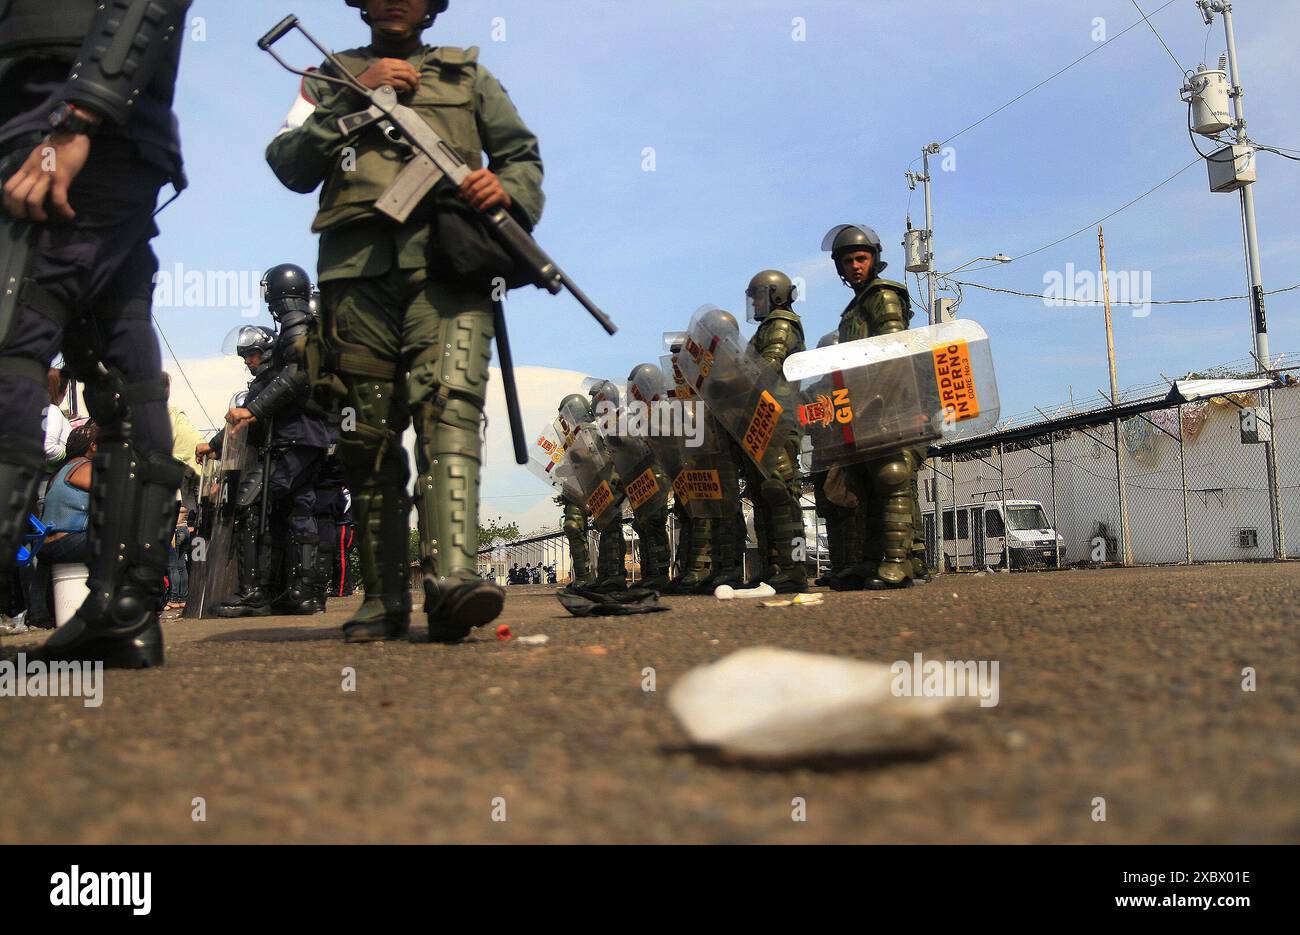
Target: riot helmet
<point>435,7</point>
<point>768,290</point>
<point>845,238</point>
<point>645,383</point>
<point>575,412</point>
<point>603,391</point>
<point>715,320</point>
<point>246,339</point>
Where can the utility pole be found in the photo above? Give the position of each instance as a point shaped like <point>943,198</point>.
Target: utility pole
<point>1121,475</point>
<point>1254,277</point>
<point>926,236</point>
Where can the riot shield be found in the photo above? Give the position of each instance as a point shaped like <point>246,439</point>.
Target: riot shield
<point>751,402</point>
<point>651,402</point>
<point>214,573</point>
<point>545,457</point>
<point>587,464</point>
<point>697,483</point>
<point>625,433</point>
<point>911,388</point>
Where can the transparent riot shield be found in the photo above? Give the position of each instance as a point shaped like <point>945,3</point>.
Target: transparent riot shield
<point>912,388</point>
<point>624,431</point>
<point>652,404</point>
<point>750,401</point>
<point>588,465</point>
<point>697,483</point>
<point>214,575</point>
<point>545,457</point>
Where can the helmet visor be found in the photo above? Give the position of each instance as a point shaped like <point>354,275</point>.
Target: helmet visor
<point>573,415</point>
<point>866,241</point>
<point>240,340</point>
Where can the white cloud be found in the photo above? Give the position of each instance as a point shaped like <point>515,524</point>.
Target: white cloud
<point>214,380</point>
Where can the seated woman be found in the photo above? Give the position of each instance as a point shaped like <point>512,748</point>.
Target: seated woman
<point>65,512</point>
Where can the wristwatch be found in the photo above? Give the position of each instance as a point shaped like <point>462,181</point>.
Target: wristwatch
<point>65,119</point>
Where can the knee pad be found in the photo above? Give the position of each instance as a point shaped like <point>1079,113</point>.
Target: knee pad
<point>892,475</point>
<point>249,494</point>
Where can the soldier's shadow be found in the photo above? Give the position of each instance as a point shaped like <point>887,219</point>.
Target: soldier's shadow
<point>418,634</point>
<point>864,762</point>
<point>278,635</point>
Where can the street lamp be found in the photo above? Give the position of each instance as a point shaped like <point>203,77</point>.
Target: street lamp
<point>996,258</point>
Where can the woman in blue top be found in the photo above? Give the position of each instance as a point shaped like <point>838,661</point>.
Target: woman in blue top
<point>64,513</point>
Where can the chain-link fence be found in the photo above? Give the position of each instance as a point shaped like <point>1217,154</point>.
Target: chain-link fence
<point>1194,482</point>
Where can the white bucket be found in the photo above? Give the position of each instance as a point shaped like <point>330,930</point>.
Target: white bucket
<point>70,590</point>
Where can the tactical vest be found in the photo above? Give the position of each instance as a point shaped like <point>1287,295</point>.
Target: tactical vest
<point>444,99</point>
<point>47,26</point>
<point>865,307</point>
<point>779,314</point>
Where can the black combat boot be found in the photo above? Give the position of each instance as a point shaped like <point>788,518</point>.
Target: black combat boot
<point>299,598</point>
<point>252,598</point>
<point>321,579</point>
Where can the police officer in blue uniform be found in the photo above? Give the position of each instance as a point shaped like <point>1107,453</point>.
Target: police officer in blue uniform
<point>285,419</point>
<point>87,141</point>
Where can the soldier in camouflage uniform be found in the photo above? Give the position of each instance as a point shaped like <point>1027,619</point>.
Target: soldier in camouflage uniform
<point>837,506</point>
<point>885,486</point>
<point>778,514</point>
<point>611,544</point>
<point>650,519</point>
<point>711,549</point>
<point>575,530</point>
<point>405,341</point>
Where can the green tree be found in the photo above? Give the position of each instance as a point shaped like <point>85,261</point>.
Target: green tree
<point>488,533</point>
<point>495,529</point>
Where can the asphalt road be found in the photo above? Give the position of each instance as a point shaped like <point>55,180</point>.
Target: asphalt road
<point>1124,684</point>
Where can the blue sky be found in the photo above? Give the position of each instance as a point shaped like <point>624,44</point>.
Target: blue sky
<point>761,143</point>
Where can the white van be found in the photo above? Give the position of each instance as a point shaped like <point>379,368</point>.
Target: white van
<point>975,535</point>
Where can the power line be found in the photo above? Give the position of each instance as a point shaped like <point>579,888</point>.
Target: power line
<point>1099,220</point>
<point>1147,20</point>
<point>1052,77</point>
<point>184,376</point>
<point>1276,151</point>
<point>1041,297</point>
